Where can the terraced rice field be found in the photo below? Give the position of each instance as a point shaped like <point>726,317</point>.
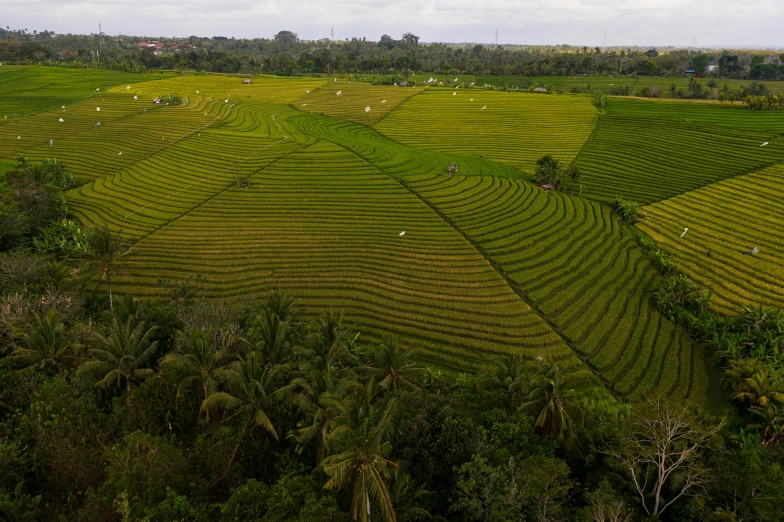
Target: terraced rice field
<point>512,128</point>
<point>712,114</point>
<point>724,220</point>
<point>650,159</point>
<point>33,89</point>
<point>359,102</point>
<point>489,264</point>
<point>582,271</point>
<point>325,224</point>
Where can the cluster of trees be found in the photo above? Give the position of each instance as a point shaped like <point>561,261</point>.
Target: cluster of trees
<point>755,95</point>
<point>188,408</point>
<point>285,53</point>
<point>551,175</point>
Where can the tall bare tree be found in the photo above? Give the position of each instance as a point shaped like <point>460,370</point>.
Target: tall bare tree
<point>661,448</point>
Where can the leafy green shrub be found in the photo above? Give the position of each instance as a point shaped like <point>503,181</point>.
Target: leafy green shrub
<point>628,210</point>
<point>678,291</point>
<point>548,172</point>
<point>65,239</point>
<point>599,100</point>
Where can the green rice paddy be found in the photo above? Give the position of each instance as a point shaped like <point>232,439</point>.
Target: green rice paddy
<point>353,209</point>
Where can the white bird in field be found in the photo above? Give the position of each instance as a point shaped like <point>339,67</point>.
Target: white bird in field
<point>764,144</point>
<point>97,89</point>
<point>383,101</point>
<point>128,88</point>
<point>63,107</point>
<point>339,93</point>
<point>455,79</point>
<point>19,137</point>
<point>61,120</point>
<point>119,153</point>
<point>367,109</point>
<point>135,97</point>
<point>454,94</point>
<point>403,233</point>
<point>98,109</point>
<point>485,107</point>
<point>304,104</point>
<point>472,99</point>
<point>197,91</point>
<point>684,231</point>
<point>307,92</point>
<point>227,101</point>
<point>473,83</point>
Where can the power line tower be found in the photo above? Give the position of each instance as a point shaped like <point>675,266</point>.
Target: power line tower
<point>332,33</point>
<point>100,42</point>
<point>496,37</point>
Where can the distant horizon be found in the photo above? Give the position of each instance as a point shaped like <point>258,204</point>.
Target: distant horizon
<point>602,23</point>
<point>779,48</point>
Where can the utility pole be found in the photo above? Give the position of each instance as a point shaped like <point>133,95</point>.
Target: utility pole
<point>100,42</point>
<point>496,37</point>
<point>332,33</point>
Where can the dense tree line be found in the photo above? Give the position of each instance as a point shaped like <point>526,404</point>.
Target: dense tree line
<point>191,408</point>
<point>287,54</point>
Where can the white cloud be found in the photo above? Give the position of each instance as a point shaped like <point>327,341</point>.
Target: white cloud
<point>626,22</point>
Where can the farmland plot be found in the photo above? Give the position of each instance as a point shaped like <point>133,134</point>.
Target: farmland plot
<point>585,274</point>
<point>359,102</point>
<point>326,225</point>
<point>725,220</point>
<point>650,159</point>
<point>512,128</point>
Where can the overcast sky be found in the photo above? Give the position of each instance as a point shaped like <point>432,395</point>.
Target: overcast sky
<point>580,22</point>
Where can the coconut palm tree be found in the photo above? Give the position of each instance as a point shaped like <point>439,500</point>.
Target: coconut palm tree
<point>105,250</point>
<point>359,446</point>
<point>124,355</point>
<point>273,338</point>
<point>251,388</point>
<point>330,342</point>
<point>554,402</point>
<point>194,363</point>
<point>760,391</point>
<point>390,362</point>
<point>283,305</point>
<point>405,499</point>
<point>513,373</point>
<point>319,393</point>
<point>46,345</point>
